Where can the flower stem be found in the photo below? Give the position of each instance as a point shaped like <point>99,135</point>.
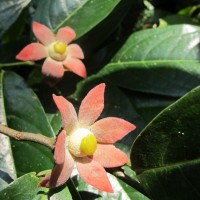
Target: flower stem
<point>16,64</point>
<point>34,137</point>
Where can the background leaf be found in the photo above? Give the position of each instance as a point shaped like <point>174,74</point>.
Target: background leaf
<point>167,151</point>
<point>107,30</point>
<point>26,187</point>
<point>7,168</point>
<point>148,105</point>
<point>160,61</point>
<point>56,121</point>
<point>25,113</point>
<point>9,11</point>
<point>81,15</point>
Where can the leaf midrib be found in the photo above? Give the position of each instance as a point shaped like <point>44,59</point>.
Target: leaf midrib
<point>173,165</point>
<point>72,14</point>
<point>150,61</point>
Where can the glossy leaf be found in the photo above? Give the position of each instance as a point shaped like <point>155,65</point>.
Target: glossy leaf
<point>180,19</point>
<point>80,15</point>
<point>55,121</point>
<point>161,61</point>
<point>101,32</point>
<point>166,153</point>
<point>26,187</point>
<point>7,168</point>
<point>25,113</point>
<point>9,11</point>
<point>148,105</point>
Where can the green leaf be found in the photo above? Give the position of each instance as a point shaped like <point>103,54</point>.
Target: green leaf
<point>179,19</point>
<point>101,32</point>
<point>7,168</point>
<point>81,15</point>
<point>56,121</point>
<point>9,12</point>
<point>148,105</point>
<point>161,61</point>
<point>166,155</point>
<point>25,113</point>
<point>26,187</point>
<point>23,188</point>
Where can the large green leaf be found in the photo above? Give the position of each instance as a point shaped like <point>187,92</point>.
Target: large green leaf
<point>25,113</point>
<point>81,15</point>
<point>100,33</point>
<point>166,154</point>
<point>9,11</point>
<point>56,121</point>
<point>148,105</point>
<point>160,61</point>
<point>180,19</point>
<point>26,187</point>
<point>7,168</point>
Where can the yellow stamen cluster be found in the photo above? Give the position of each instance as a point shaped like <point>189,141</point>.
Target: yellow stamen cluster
<point>57,51</point>
<point>59,47</point>
<point>88,144</point>
<point>82,142</point>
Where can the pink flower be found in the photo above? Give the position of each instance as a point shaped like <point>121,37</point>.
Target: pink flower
<point>59,55</point>
<point>87,143</point>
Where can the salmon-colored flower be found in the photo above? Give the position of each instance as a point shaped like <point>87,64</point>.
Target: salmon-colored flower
<point>87,143</point>
<point>60,55</point>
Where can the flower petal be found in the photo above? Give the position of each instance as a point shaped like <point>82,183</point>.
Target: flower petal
<point>92,105</point>
<point>109,156</point>
<point>93,173</point>
<point>59,152</point>
<point>75,51</point>
<point>68,113</point>
<point>65,34</point>
<point>43,33</point>
<point>75,65</point>
<point>33,51</point>
<point>52,68</point>
<point>60,173</point>
<point>111,129</point>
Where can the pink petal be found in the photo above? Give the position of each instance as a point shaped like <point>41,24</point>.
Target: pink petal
<point>68,113</point>
<point>75,65</point>
<point>66,35</point>
<point>92,105</point>
<point>60,173</point>
<point>93,173</point>
<point>109,156</point>
<point>33,51</point>
<point>52,68</point>
<point>59,152</point>
<point>111,129</point>
<point>75,51</point>
<point>43,33</point>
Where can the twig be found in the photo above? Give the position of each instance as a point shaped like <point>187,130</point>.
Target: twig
<point>34,137</point>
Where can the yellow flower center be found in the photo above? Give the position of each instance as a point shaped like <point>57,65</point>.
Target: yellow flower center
<point>82,142</point>
<point>88,144</point>
<point>59,47</point>
<point>57,51</point>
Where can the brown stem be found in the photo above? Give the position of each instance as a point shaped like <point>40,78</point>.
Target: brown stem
<point>34,137</point>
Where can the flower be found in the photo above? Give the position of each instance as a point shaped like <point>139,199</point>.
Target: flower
<point>87,143</point>
<point>60,55</point>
